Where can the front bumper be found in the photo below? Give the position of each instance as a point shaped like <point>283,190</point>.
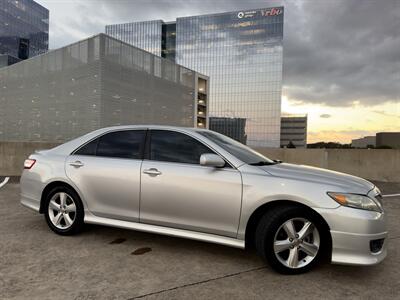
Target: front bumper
<point>355,249</point>
<point>353,231</point>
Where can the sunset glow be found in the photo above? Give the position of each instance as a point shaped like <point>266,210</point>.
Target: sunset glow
<point>341,124</point>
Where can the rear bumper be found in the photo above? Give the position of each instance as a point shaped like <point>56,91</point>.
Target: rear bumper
<point>352,232</point>
<point>30,203</point>
<point>31,190</point>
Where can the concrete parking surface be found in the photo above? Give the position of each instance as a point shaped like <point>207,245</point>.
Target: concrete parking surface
<point>109,263</point>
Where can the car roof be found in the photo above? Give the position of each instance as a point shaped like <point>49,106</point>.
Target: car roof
<point>122,127</point>
<point>68,147</point>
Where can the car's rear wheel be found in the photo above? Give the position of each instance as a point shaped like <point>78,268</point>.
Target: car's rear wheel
<point>64,211</point>
<point>291,239</point>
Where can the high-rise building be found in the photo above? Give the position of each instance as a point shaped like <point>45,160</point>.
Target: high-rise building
<point>94,83</point>
<point>240,51</point>
<point>294,131</point>
<point>232,127</point>
<point>24,30</point>
<point>388,139</point>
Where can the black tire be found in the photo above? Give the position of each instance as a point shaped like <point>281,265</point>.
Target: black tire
<point>268,228</point>
<point>77,224</point>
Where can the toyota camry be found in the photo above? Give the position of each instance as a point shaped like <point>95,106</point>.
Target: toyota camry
<point>201,185</point>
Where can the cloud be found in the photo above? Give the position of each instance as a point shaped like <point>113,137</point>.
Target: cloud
<point>340,136</point>
<point>325,116</point>
<point>335,52</point>
<point>338,52</point>
<point>383,113</point>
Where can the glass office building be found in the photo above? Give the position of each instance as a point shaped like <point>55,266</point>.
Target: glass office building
<point>24,29</point>
<point>241,52</point>
<point>144,35</point>
<point>233,127</point>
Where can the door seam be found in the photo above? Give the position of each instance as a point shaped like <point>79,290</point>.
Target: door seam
<point>140,190</point>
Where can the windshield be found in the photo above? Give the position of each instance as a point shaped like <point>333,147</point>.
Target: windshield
<point>242,152</point>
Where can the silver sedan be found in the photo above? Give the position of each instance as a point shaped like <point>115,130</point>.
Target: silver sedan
<point>202,185</point>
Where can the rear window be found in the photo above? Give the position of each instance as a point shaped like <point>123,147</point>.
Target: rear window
<point>88,149</point>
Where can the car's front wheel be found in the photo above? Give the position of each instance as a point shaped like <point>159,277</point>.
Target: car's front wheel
<point>291,239</point>
<point>64,211</point>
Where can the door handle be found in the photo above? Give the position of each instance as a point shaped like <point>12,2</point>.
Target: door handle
<point>76,164</point>
<point>152,171</point>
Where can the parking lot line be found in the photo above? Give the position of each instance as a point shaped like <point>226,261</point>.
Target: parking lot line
<point>391,195</point>
<point>4,182</point>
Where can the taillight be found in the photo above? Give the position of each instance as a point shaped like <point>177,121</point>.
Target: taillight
<point>28,163</point>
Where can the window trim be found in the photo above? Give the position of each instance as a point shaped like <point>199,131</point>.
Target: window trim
<point>228,164</point>
<point>98,137</point>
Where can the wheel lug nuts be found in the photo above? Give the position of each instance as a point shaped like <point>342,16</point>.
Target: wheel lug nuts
<point>290,240</point>
<point>296,236</point>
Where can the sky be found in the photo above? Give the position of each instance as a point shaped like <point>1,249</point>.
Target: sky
<point>341,57</point>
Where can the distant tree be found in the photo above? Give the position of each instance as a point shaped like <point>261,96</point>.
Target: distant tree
<point>383,147</point>
<point>291,145</point>
<point>329,145</point>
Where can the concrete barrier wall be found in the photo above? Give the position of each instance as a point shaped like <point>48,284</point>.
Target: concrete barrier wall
<point>13,154</point>
<point>374,164</point>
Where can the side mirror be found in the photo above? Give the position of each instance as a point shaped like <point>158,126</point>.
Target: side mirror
<point>211,160</point>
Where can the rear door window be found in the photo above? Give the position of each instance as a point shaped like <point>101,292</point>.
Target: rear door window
<point>117,144</point>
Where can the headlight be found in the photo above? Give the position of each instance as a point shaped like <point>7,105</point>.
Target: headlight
<point>356,201</point>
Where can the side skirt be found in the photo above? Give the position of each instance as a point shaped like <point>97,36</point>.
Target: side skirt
<point>193,235</point>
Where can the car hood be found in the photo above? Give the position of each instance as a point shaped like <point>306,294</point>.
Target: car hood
<point>344,182</point>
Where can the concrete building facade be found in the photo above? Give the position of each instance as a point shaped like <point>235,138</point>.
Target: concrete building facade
<point>94,83</point>
<point>241,51</point>
<point>294,129</point>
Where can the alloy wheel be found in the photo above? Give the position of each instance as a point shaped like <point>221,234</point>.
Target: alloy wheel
<point>296,243</point>
<point>62,210</point>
